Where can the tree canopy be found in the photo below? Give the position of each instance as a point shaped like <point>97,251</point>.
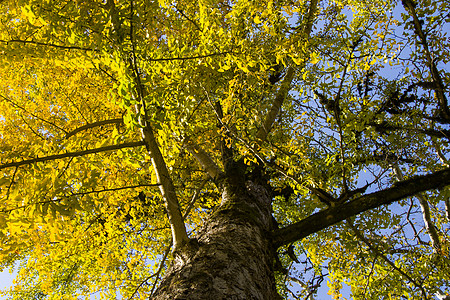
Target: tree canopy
<point>114,117</point>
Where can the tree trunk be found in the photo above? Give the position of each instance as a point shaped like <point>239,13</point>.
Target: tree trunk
<point>232,257</point>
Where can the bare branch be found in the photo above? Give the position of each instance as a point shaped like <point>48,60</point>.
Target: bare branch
<point>194,199</point>
<point>333,215</point>
<point>71,154</point>
<point>157,274</point>
<point>161,266</point>
<point>92,125</point>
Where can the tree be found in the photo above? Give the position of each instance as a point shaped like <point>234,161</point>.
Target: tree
<point>227,140</point>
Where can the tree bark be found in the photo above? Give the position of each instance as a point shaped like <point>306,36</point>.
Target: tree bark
<point>234,253</point>
<point>232,257</point>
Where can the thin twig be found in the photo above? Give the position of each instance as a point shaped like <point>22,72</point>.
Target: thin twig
<point>33,115</point>
<point>378,253</point>
<point>47,45</point>
<point>72,154</point>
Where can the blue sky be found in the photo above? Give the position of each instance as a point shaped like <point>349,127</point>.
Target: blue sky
<point>6,280</point>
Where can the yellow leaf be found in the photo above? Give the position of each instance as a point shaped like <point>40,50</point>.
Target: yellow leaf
<point>314,58</point>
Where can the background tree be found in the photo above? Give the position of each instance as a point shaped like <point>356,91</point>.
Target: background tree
<point>248,145</point>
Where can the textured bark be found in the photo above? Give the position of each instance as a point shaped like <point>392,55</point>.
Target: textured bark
<point>232,257</point>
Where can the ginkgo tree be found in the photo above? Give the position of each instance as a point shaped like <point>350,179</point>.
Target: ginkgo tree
<point>227,149</point>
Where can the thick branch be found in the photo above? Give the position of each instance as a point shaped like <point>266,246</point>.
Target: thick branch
<point>311,16</point>
<point>440,133</point>
<point>71,154</point>
<point>203,158</point>
<point>333,215</point>
<point>167,188</point>
<point>92,125</point>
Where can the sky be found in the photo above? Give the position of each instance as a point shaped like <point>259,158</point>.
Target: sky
<point>6,280</point>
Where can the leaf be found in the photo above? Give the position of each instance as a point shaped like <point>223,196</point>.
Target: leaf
<point>257,20</point>
<point>96,221</point>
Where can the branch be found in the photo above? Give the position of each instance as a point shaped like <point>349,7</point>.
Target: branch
<point>276,105</point>
<point>333,215</point>
<point>378,253</point>
<point>426,215</point>
<point>177,226</point>
<point>187,18</point>
<point>447,209</point>
<point>440,133</point>
<point>439,153</point>
<point>310,19</point>
<point>33,115</point>
<point>203,158</point>
<point>48,45</point>
<point>160,268</point>
<point>189,57</point>
<point>157,274</point>
<point>262,133</point>
<point>71,154</point>
<point>92,125</point>
<point>167,188</point>
<point>113,189</point>
<point>439,88</point>
<point>60,198</point>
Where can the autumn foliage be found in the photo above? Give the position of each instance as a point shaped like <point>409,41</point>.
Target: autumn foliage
<point>114,117</point>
